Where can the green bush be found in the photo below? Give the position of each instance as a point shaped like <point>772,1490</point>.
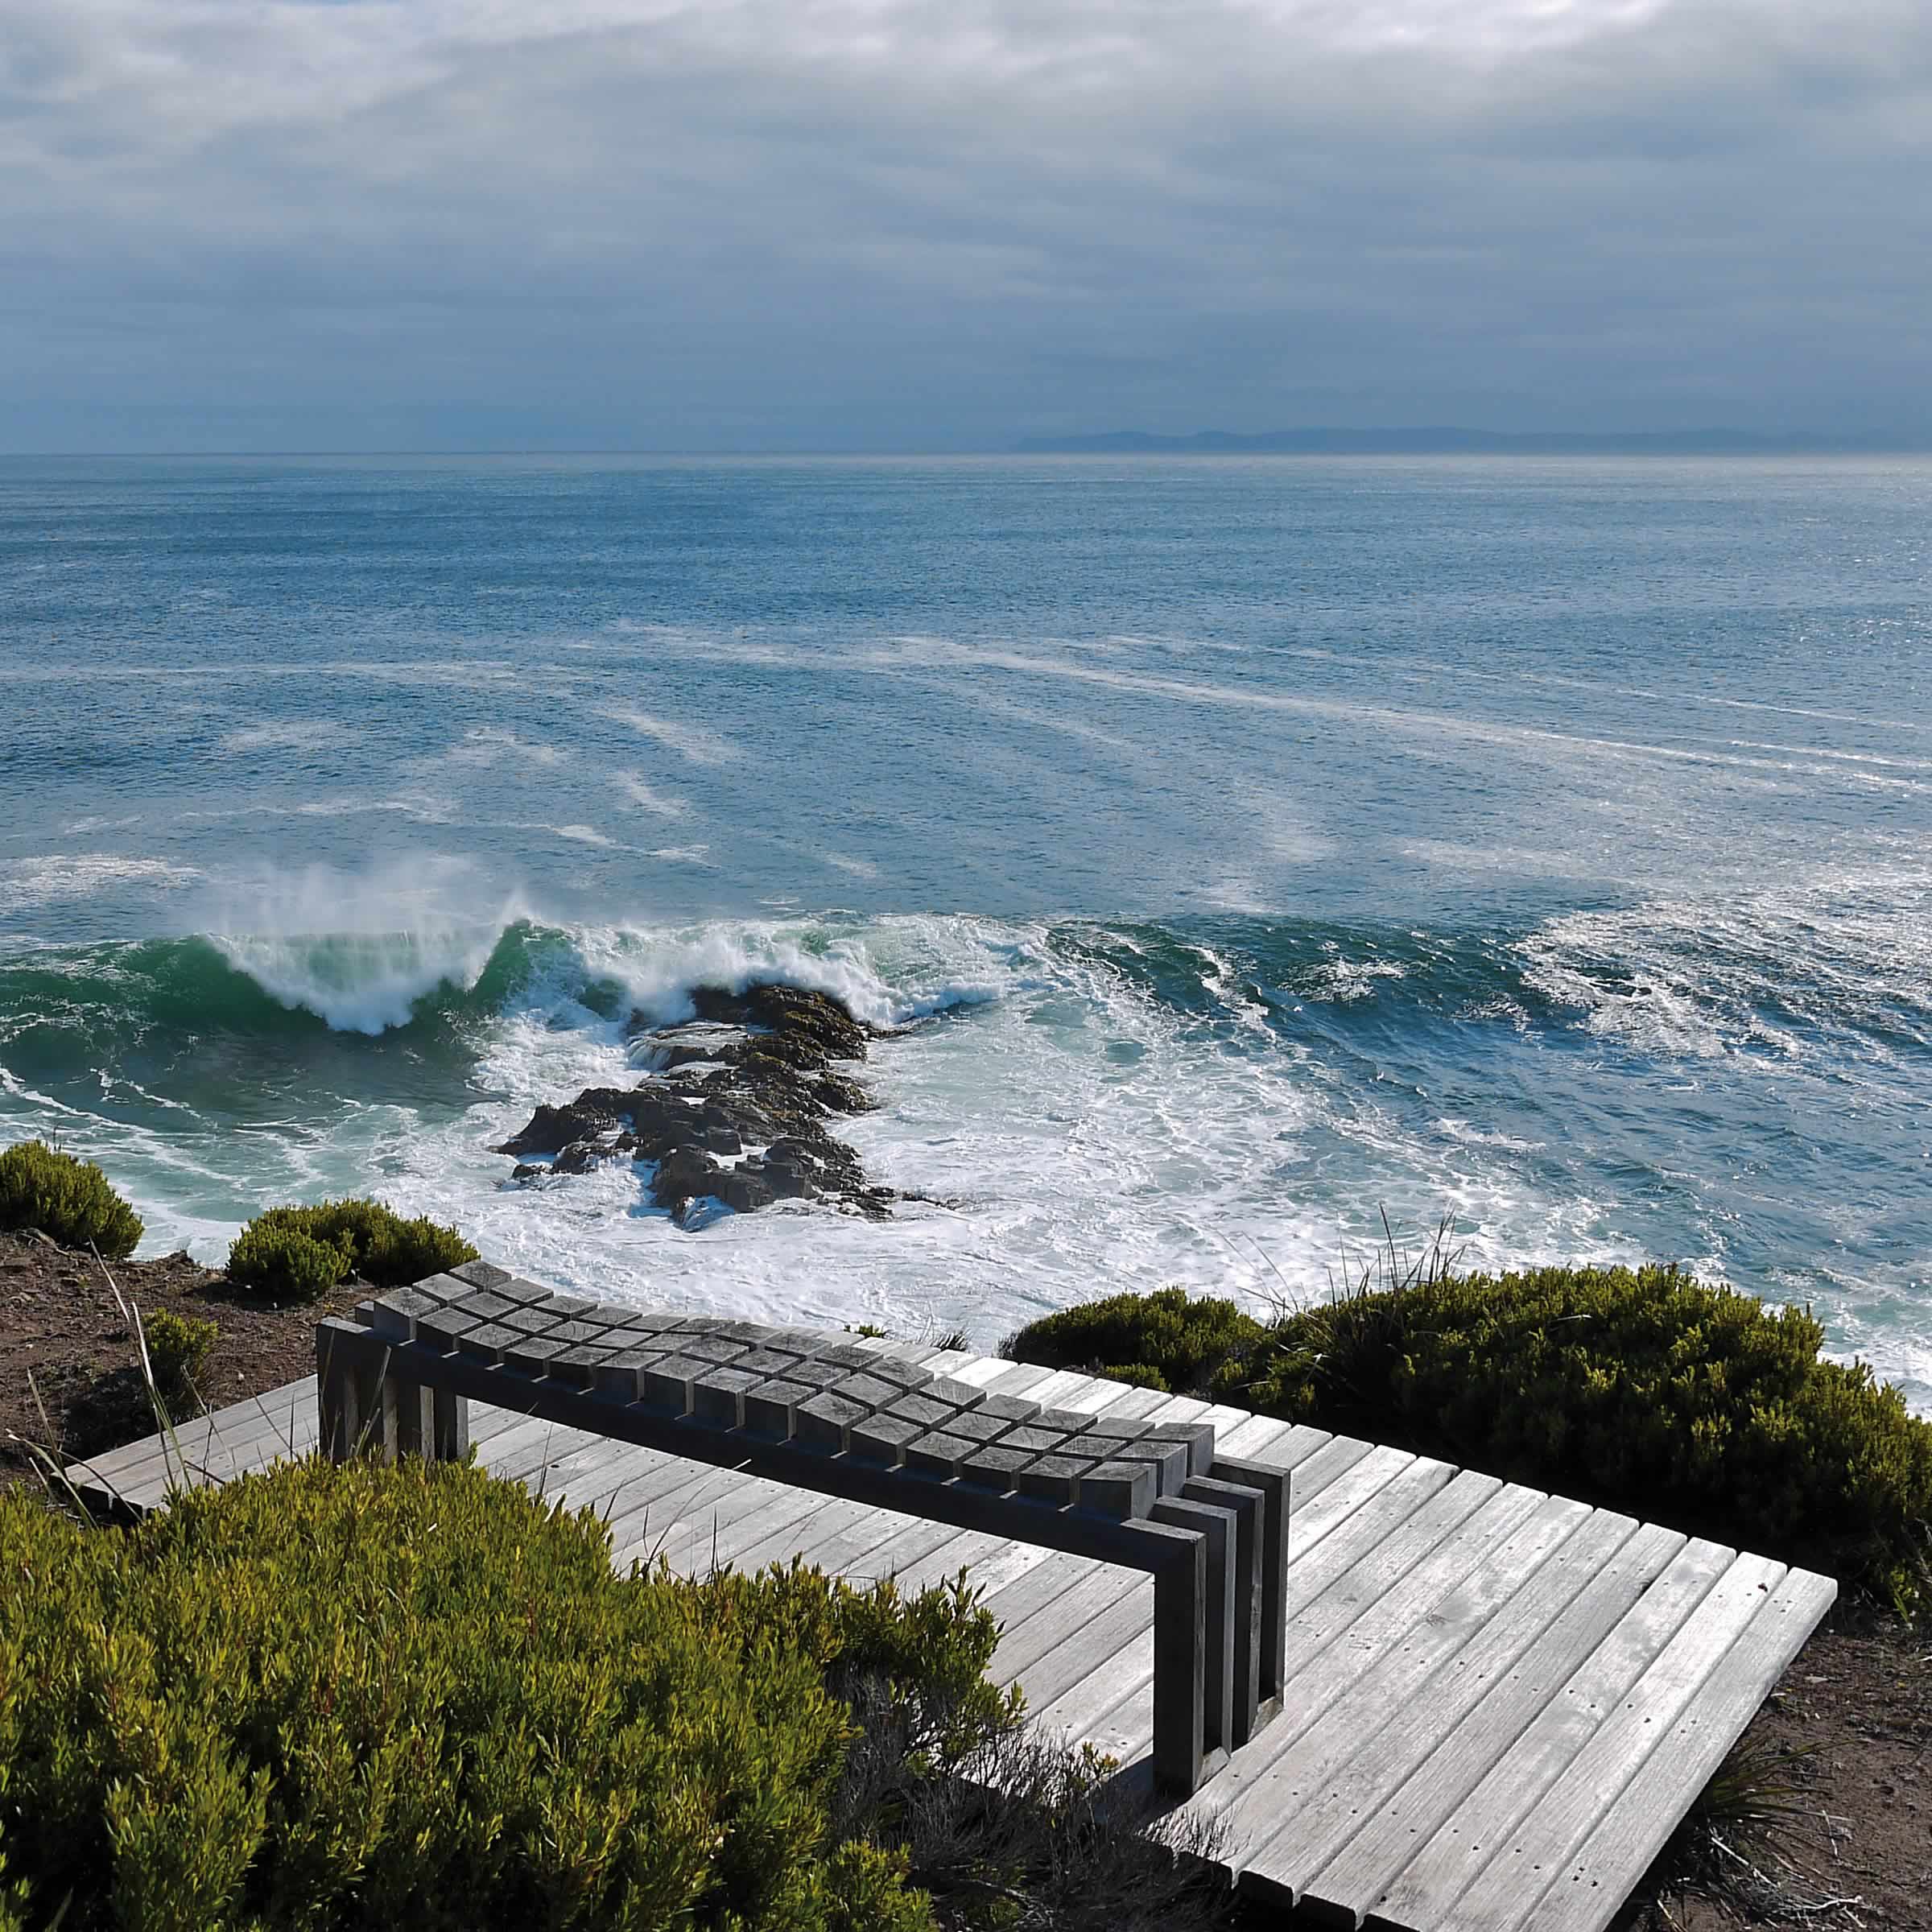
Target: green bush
<point>1645,1389</point>
<point>1167,1339</point>
<point>297,1254</point>
<point>364,1697</point>
<point>178,1349</point>
<point>65,1198</point>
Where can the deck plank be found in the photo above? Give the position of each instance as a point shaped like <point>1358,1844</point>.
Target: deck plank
<point>1633,1829</point>
<point>1563,1807</point>
<point>1568,1715</point>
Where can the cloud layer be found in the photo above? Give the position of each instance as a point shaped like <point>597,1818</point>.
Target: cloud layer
<point>275,224</point>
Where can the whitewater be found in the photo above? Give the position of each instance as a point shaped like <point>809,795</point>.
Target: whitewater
<point>1229,854</point>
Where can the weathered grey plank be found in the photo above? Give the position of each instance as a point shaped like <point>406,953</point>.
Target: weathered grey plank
<point>994,1562</point>
<point>1335,1639</point>
<point>1338,1479</point>
<point>1346,1526</point>
<point>1100,1639</point>
<point>1373,1803</point>
<point>1563,1813</point>
<point>1344,1745</point>
<point>1571,1715</point>
<point>1419,1846</point>
<point>1587,1895</point>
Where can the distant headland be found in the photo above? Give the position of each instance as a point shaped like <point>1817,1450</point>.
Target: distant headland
<point>1433,442</point>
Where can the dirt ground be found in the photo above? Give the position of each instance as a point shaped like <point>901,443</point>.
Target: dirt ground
<point>69,1383</point>
<point>1851,1849</point>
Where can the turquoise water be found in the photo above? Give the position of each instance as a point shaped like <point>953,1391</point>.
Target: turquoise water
<point>1259,845</point>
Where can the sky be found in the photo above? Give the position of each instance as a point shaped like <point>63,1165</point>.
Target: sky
<point>945,224</point>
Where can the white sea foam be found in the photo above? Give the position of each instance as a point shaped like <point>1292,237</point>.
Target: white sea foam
<point>648,799</point>
<point>697,743</point>
<point>53,877</point>
<point>292,734</point>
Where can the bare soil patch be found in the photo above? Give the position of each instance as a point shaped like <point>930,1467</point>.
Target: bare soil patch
<point>70,1382</point>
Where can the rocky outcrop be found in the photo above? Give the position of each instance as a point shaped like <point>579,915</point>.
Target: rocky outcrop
<point>732,1107</point>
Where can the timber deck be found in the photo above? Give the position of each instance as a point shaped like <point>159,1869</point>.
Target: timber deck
<point>1499,1704</point>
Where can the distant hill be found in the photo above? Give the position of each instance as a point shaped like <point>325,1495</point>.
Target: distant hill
<point>1468,441</point>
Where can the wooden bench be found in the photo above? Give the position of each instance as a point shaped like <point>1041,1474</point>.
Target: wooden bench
<point>813,1409</point>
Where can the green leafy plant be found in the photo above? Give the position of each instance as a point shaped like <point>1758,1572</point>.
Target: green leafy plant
<point>1167,1339</point>
<point>298,1254</point>
<point>67,1199</point>
<point>1645,1389</point>
<point>330,1698</point>
<point>178,1349</point>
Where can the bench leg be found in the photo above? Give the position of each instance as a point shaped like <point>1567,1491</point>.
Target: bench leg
<point>1180,1639</point>
<point>1220,1687</point>
<point>1273,1486</point>
<point>1248,1508</point>
<point>348,1389</point>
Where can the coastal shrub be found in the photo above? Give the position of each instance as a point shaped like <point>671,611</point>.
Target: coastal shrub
<point>296,1254</point>
<point>1167,1339</point>
<point>67,1199</point>
<point>178,1349</point>
<point>1644,1389</point>
<point>330,1698</point>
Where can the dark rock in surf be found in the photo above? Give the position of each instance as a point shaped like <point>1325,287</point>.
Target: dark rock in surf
<point>732,1107</point>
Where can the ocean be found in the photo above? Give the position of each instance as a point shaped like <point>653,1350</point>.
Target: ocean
<point>1244,850</point>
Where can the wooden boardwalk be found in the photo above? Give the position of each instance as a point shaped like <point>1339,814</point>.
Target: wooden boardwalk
<point>1499,1702</point>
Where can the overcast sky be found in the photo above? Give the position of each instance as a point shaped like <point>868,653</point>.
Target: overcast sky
<point>950,223</point>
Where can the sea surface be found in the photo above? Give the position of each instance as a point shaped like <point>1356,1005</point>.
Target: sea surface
<point>1247,850</point>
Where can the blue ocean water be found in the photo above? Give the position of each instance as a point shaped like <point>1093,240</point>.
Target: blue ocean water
<point>1253,847</point>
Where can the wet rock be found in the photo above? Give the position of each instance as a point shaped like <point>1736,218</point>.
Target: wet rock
<point>525,1171</point>
<point>762,1068</point>
<point>744,1189</point>
<point>683,1174</point>
<point>553,1129</point>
